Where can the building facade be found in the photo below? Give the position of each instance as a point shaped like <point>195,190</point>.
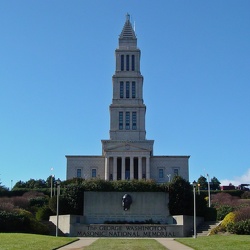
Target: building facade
<point>127,155</point>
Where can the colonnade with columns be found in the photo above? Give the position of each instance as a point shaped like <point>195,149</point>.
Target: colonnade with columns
<point>127,167</point>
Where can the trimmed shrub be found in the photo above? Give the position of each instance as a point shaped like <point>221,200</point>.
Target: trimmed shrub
<point>13,222</point>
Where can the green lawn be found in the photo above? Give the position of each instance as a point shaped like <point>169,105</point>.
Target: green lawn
<point>221,242</point>
<point>18,241</point>
<point>125,244</point>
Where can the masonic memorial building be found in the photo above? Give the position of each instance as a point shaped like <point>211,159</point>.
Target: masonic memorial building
<point>127,154</point>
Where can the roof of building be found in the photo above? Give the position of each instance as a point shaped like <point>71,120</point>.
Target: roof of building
<point>127,31</point>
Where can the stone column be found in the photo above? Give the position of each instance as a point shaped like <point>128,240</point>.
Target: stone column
<point>114,168</point>
<point>106,168</point>
<point>131,168</point>
<point>123,167</point>
<point>147,168</point>
<point>140,168</point>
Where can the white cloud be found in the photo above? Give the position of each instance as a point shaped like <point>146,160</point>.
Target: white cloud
<point>244,179</point>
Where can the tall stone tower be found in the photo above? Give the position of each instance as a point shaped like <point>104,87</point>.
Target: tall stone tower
<point>127,153</point>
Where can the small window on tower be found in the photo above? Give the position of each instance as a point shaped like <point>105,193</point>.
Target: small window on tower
<point>133,90</point>
<point>127,89</point>
<point>127,62</point>
<point>121,120</point>
<point>127,120</point>
<point>133,62</point>
<point>134,120</point>
<point>121,89</point>
<point>122,62</point>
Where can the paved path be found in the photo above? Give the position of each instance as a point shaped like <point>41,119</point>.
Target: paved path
<point>169,243</point>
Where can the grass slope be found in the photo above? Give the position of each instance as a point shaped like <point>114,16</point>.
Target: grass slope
<point>125,244</point>
<point>221,242</point>
<point>18,241</point>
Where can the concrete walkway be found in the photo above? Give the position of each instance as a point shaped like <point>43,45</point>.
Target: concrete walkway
<point>169,243</point>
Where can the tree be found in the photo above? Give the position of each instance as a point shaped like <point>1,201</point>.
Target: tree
<point>203,182</point>
<point>180,197</point>
<point>214,184</point>
<point>3,188</point>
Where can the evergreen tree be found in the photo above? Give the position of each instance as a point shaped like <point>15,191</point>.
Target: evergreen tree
<point>203,183</point>
<point>214,184</point>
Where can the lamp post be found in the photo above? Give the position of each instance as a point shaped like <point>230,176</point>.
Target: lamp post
<point>194,190</point>
<point>58,182</point>
<point>208,189</point>
<point>51,184</point>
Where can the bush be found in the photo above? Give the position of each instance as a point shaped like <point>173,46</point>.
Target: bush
<point>38,201</point>
<point>218,229</point>
<point>229,218</point>
<point>43,213</point>
<point>240,227</point>
<point>13,222</point>
<point>20,221</point>
<point>242,214</point>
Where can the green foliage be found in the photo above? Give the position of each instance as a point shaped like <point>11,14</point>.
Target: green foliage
<point>240,227</point>
<point>43,213</point>
<point>223,210</point>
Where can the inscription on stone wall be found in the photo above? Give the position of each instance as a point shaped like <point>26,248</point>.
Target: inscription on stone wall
<point>127,231</point>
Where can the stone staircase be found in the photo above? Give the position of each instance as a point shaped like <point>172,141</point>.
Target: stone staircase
<point>205,228</point>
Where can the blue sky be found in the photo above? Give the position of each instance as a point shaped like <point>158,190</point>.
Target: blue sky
<point>56,67</point>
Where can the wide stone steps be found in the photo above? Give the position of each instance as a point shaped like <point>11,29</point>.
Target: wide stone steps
<point>205,228</point>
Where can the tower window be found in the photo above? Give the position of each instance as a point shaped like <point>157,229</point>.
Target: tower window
<point>133,90</point>
<point>120,120</point>
<point>122,62</point>
<point>79,173</point>
<point>121,89</point>
<point>127,62</point>
<point>127,120</point>
<point>133,62</point>
<point>127,89</point>
<point>134,120</point>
